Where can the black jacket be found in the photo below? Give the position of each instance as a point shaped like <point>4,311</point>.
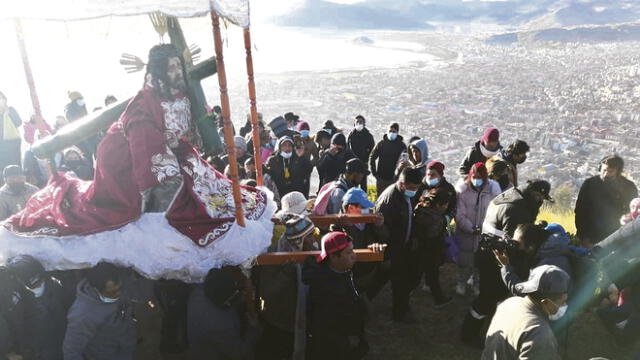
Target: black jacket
<point>448,187</point>
<point>331,166</point>
<point>384,157</point>
<point>41,323</point>
<point>474,155</point>
<point>335,312</point>
<point>361,143</point>
<point>600,206</point>
<point>299,172</point>
<point>510,209</point>
<point>428,233</point>
<point>392,204</point>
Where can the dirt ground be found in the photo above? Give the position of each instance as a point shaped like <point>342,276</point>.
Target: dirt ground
<point>434,336</point>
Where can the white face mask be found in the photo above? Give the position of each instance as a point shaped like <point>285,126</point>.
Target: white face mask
<point>359,127</point>
<point>560,313</point>
<point>107,300</point>
<point>38,291</point>
<point>286,155</point>
<point>392,135</point>
<point>80,102</point>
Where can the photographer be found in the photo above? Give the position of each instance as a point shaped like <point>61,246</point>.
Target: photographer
<point>505,213</point>
<point>618,255</point>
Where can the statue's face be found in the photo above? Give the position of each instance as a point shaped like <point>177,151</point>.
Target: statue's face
<point>175,76</point>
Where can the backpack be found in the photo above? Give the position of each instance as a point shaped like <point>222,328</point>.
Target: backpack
<point>324,195</point>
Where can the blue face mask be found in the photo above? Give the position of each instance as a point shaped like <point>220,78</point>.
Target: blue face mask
<point>410,193</point>
<point>392,136</point>
<point>433,182</point>
<point>304,133</point>
<point>107,300</point>
<point>477,182</point>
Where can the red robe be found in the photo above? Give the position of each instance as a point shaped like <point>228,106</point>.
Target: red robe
<point>149,144</point>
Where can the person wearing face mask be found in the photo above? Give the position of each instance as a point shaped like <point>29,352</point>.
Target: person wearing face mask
<point>483,149</point>
<point>521,327</point>
<point>40,325</point>
<point>602,200</point>
<point>363,236</point>
<point>361,142</point>
<point>332,163</point>
<point>396,204</point>
<point>15,192</point>
<point>281,289</point>
<point>505,214</point>
<point>474,196</point>
<point>514,155</point>
<point>288,171</point>
<point>220,327</point>
<point>9,134</point>
<point>310,147</point>
<point>434,179</point>
<point>384,157</point>
<point>74,162</point>
<point>77,109</point>
<point>101,323</point>
<point>428,240</point>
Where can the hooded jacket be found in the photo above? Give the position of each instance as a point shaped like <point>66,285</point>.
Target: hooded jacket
<point>384,157</point>
<point>361,143</point>
<point>98,330</point>
<point>422,146</point>
<point>12,202</point>
<point>297,169</point>
<point>474,155</point>
<point>508,210</point>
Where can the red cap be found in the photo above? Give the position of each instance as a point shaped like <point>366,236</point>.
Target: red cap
<point>478,168</point>
<point>491,134</point>
<point>437,166</point>
<point>333,242</point>
<point>302,124</point>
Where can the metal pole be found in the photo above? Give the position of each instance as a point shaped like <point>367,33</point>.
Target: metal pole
<point>254,109</point>
<point>226,114</point>
<point>27,69</point>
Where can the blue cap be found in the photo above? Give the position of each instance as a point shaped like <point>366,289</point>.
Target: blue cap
<point>357,196</point>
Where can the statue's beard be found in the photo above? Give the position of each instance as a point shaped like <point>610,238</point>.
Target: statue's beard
<point>177,85</point>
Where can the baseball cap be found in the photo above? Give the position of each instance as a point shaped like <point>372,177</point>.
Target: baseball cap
<point>332,243</point>
<point>541,186</point>
<point>356,165</point>
<point>548,279</point>
<point>357,196</point>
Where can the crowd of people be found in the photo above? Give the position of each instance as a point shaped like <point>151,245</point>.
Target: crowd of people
<point>521,273</point>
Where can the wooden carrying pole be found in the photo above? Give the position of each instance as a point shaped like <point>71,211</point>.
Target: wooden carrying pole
<point>226,114</point>
<point>254,110</point>
<point>299,257</point>
<point>27,70</point>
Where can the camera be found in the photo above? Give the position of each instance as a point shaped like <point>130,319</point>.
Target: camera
<point>495,242</point>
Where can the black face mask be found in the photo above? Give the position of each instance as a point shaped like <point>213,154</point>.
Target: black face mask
<point>17,187</point>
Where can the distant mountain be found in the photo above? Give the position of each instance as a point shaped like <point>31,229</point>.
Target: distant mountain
<point>418,14</point>
<point>319,13</point>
